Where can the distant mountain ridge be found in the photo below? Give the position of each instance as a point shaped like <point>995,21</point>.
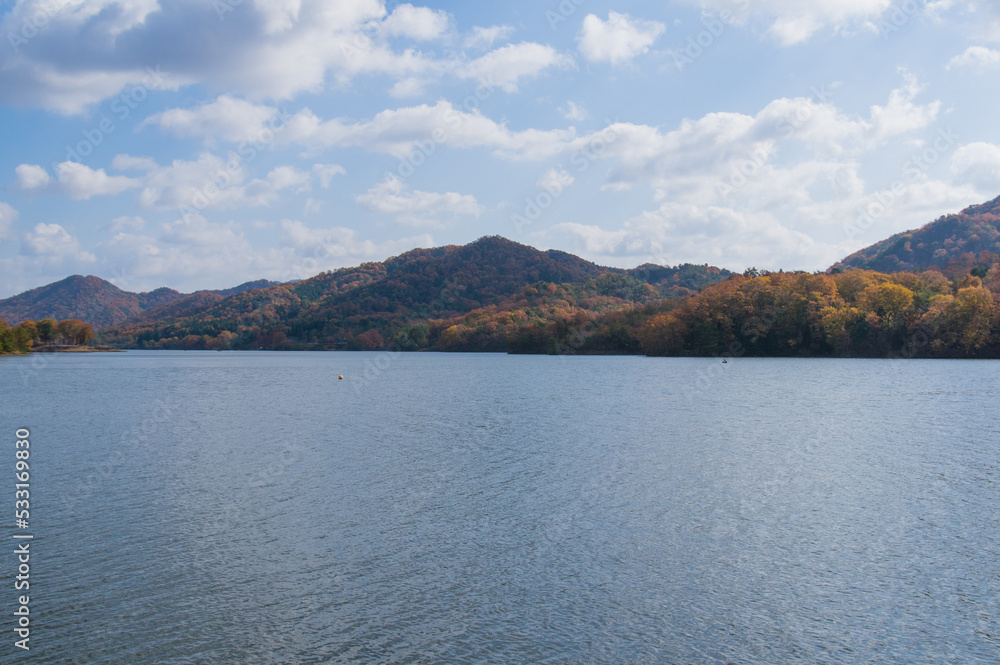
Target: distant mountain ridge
<point>96,301</point>
<point>335,309</point>
<point>953,244</point>
<point>493,283</point>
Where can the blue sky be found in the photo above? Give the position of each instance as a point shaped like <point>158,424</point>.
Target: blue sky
<point>202,144</point>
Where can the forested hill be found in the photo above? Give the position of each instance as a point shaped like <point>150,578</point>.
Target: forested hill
<point>364,306</point>
<point>954,244</point>
<point>89,299</point>
<point>98,302</point>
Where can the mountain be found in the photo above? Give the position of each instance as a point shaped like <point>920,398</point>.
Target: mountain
<point>89,299</point>
<point>953,244</point>
<point>335,309</point>
<point>101,303</point>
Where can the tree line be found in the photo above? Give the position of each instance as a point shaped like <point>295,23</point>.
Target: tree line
<point>858,313</point>
<point>23,337</point>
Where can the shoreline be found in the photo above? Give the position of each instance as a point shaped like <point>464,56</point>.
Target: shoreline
<point>67,348</point>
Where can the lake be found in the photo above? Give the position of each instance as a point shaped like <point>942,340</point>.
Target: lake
<point>251,508</point>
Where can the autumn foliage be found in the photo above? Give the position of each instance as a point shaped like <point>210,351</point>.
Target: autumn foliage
<point>853,313</point>
<point>22,338</point>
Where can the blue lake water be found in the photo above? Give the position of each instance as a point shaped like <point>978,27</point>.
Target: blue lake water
<point>251,508</point>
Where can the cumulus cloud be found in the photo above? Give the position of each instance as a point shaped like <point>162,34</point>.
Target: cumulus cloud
<point>399,132</point>
<point>573,111</point>
<point>74,180</point>
<point>248,50</point>
<point>977,57</point>
<point>419,23</point>
<point>311,250</point>
<point>211,182</point>
<point>81,182</point>
<point>722,143</point>
<point>617,40</point>
<point>555,180</point>
<point>207,182</point>
<point>29,177</point>
<point>53,243</point>
<point>417,208</point>
<point>126,223</point>
<point>676,233</point>
<point>226,119</point>
<point>483,38</point>
<point>255,49</point>
<point>978,164</point>
<point>327,172</point>
<point>793,22</point>
<point>780,185</point>
<point>7,216</point>
<point>505,66</point>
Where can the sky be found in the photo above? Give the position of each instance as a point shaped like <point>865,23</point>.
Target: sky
<point>202,144</point>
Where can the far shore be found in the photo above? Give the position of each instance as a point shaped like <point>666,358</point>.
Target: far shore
<point>71,348</point>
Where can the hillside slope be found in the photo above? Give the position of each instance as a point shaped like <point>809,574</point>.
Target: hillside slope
<point>953,244</point>
<point>331,309</point>
<point>102,304</point>
<point>89,299</point>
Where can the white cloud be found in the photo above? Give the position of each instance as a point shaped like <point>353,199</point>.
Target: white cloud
<point>326,173</point>
<point>190,251</point>
<point>312,250</point>
<point>617,40</point>
<point>208,182</point>
<point>53,243</point>
<point>419,23</point>
<point>483,38</point>
<point>399,131</point>
<point>978,164</point>
<point>555,180</point>
<point>793,21</point>
<point>408,87</point>
<point>573,111</point>
<point>7,216</point>
<point>778,186</point>
<point>31,177</point>
<point>679,233</point>
<point>977,57</point>
<point>279,15</point>
<point>126,223</point>
<point>81,182</point>
<point>74,180</point>
<point>211,182</point>
<point>505,66</point>
<point>226,119</point>
<point>273,49</point>
<point>414,207</point>
<point>901,115</point>
<point>718,144</point>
